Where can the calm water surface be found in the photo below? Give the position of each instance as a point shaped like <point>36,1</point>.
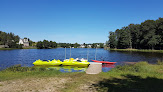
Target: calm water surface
<point>26,57</point>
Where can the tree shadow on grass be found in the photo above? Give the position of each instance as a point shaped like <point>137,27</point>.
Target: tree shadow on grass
<point>130,83</point>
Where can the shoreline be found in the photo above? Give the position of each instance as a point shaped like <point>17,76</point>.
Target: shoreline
<point>15,48</point>
<point>136,50</point>
<point>25,48</point>
<point>8,48</point>
<point>126,50</point>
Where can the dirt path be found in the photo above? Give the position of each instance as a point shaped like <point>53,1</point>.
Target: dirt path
<point>71,83</point>
<point>51,84</point>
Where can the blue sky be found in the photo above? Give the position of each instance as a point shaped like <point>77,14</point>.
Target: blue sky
<point>82,21</point>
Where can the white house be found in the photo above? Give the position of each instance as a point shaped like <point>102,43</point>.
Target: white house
<point>98,45</point>
<point>89,46</point>
<point>82,46</point>
<point>25,42</point>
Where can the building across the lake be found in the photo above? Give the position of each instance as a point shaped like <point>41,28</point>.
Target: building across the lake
<point>82,46</point>
<point>89,46</point>
<point>24,42</point>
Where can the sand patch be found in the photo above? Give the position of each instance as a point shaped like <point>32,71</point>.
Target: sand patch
<point>51,84</point>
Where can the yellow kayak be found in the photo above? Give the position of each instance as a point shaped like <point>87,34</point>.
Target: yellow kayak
<point>53,62</point>
<point>75,62</point>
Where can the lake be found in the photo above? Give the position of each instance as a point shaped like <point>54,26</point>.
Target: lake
<point>26,57</point>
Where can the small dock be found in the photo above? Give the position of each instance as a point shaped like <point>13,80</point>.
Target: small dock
<point>94,68</point>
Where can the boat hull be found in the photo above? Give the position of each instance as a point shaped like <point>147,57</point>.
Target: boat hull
<point>53,62</point>
<point>105,62</point>
<point>75,63</point>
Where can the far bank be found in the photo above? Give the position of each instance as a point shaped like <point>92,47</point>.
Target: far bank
<point>135,50</point>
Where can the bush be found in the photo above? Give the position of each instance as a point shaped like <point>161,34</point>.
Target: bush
<point>138,67</point>
<point>159,62</point>
<point>42,69</point>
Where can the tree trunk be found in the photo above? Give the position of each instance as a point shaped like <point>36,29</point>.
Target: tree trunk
<point>152,47</point>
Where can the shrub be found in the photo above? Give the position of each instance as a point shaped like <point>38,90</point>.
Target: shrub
<point>42,69</point>
<point>159,62</point>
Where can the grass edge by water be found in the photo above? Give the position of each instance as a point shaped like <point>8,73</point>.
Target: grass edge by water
<point>136,50</point>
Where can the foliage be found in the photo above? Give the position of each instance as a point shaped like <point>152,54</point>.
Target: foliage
<point>46,44</point>
<point>101,45</point>
<point>67,45</point>
<point>93,45</point>
<point>76,45</point>
<point>9,39</point>
<point>112,40</point>
<point>39,45</point>
<point>160,62</point>
<point>147,35</point>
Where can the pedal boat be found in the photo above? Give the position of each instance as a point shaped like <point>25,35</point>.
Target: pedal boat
<point>75,62</point>
<point>48,62</point>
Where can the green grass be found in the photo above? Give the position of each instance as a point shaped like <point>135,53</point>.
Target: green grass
<point>137,50</point>
<point>17,48</point>
<point>17,72</point>
<point>140,77</point>
<point>159,62</point>
<point>29,47</point>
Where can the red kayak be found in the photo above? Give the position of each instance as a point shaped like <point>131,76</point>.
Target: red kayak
<point>106,62</point>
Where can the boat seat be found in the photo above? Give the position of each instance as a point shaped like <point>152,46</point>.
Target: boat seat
<point>79,60</point>
<point>44,60</point>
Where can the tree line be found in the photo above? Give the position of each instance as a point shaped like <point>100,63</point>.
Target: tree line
<point>147,35</point>
<point>68,45</point>
<point>45,44</point>
<point>76,45</point>
<point>12,40</point>
<point>9,39</point>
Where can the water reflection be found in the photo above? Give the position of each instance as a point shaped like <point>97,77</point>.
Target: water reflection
<point>65,68</point>
<point>107,67</point>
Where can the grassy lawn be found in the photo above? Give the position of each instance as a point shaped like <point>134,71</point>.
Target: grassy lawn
<point>140,77</point>
<point>29,47</point>
<point>17,48</point>
<point>137,50</point>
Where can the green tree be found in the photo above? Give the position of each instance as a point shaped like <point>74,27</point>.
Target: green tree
<point>159,31</point>
<point>101,45</point>
<point>150,39</point>
<point>147,35</point>
<point>52,44</point>
<point>16,38</point>
<point>3,38</point>
<point>55,44</point>
<point>112,40</point>
<point>30,42</point>
<point>46,44</point>
<point>94,45</point>
<point>135,34</point>
<point>76,45</point>
<point>123,38</point>
<point>39,45</point>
